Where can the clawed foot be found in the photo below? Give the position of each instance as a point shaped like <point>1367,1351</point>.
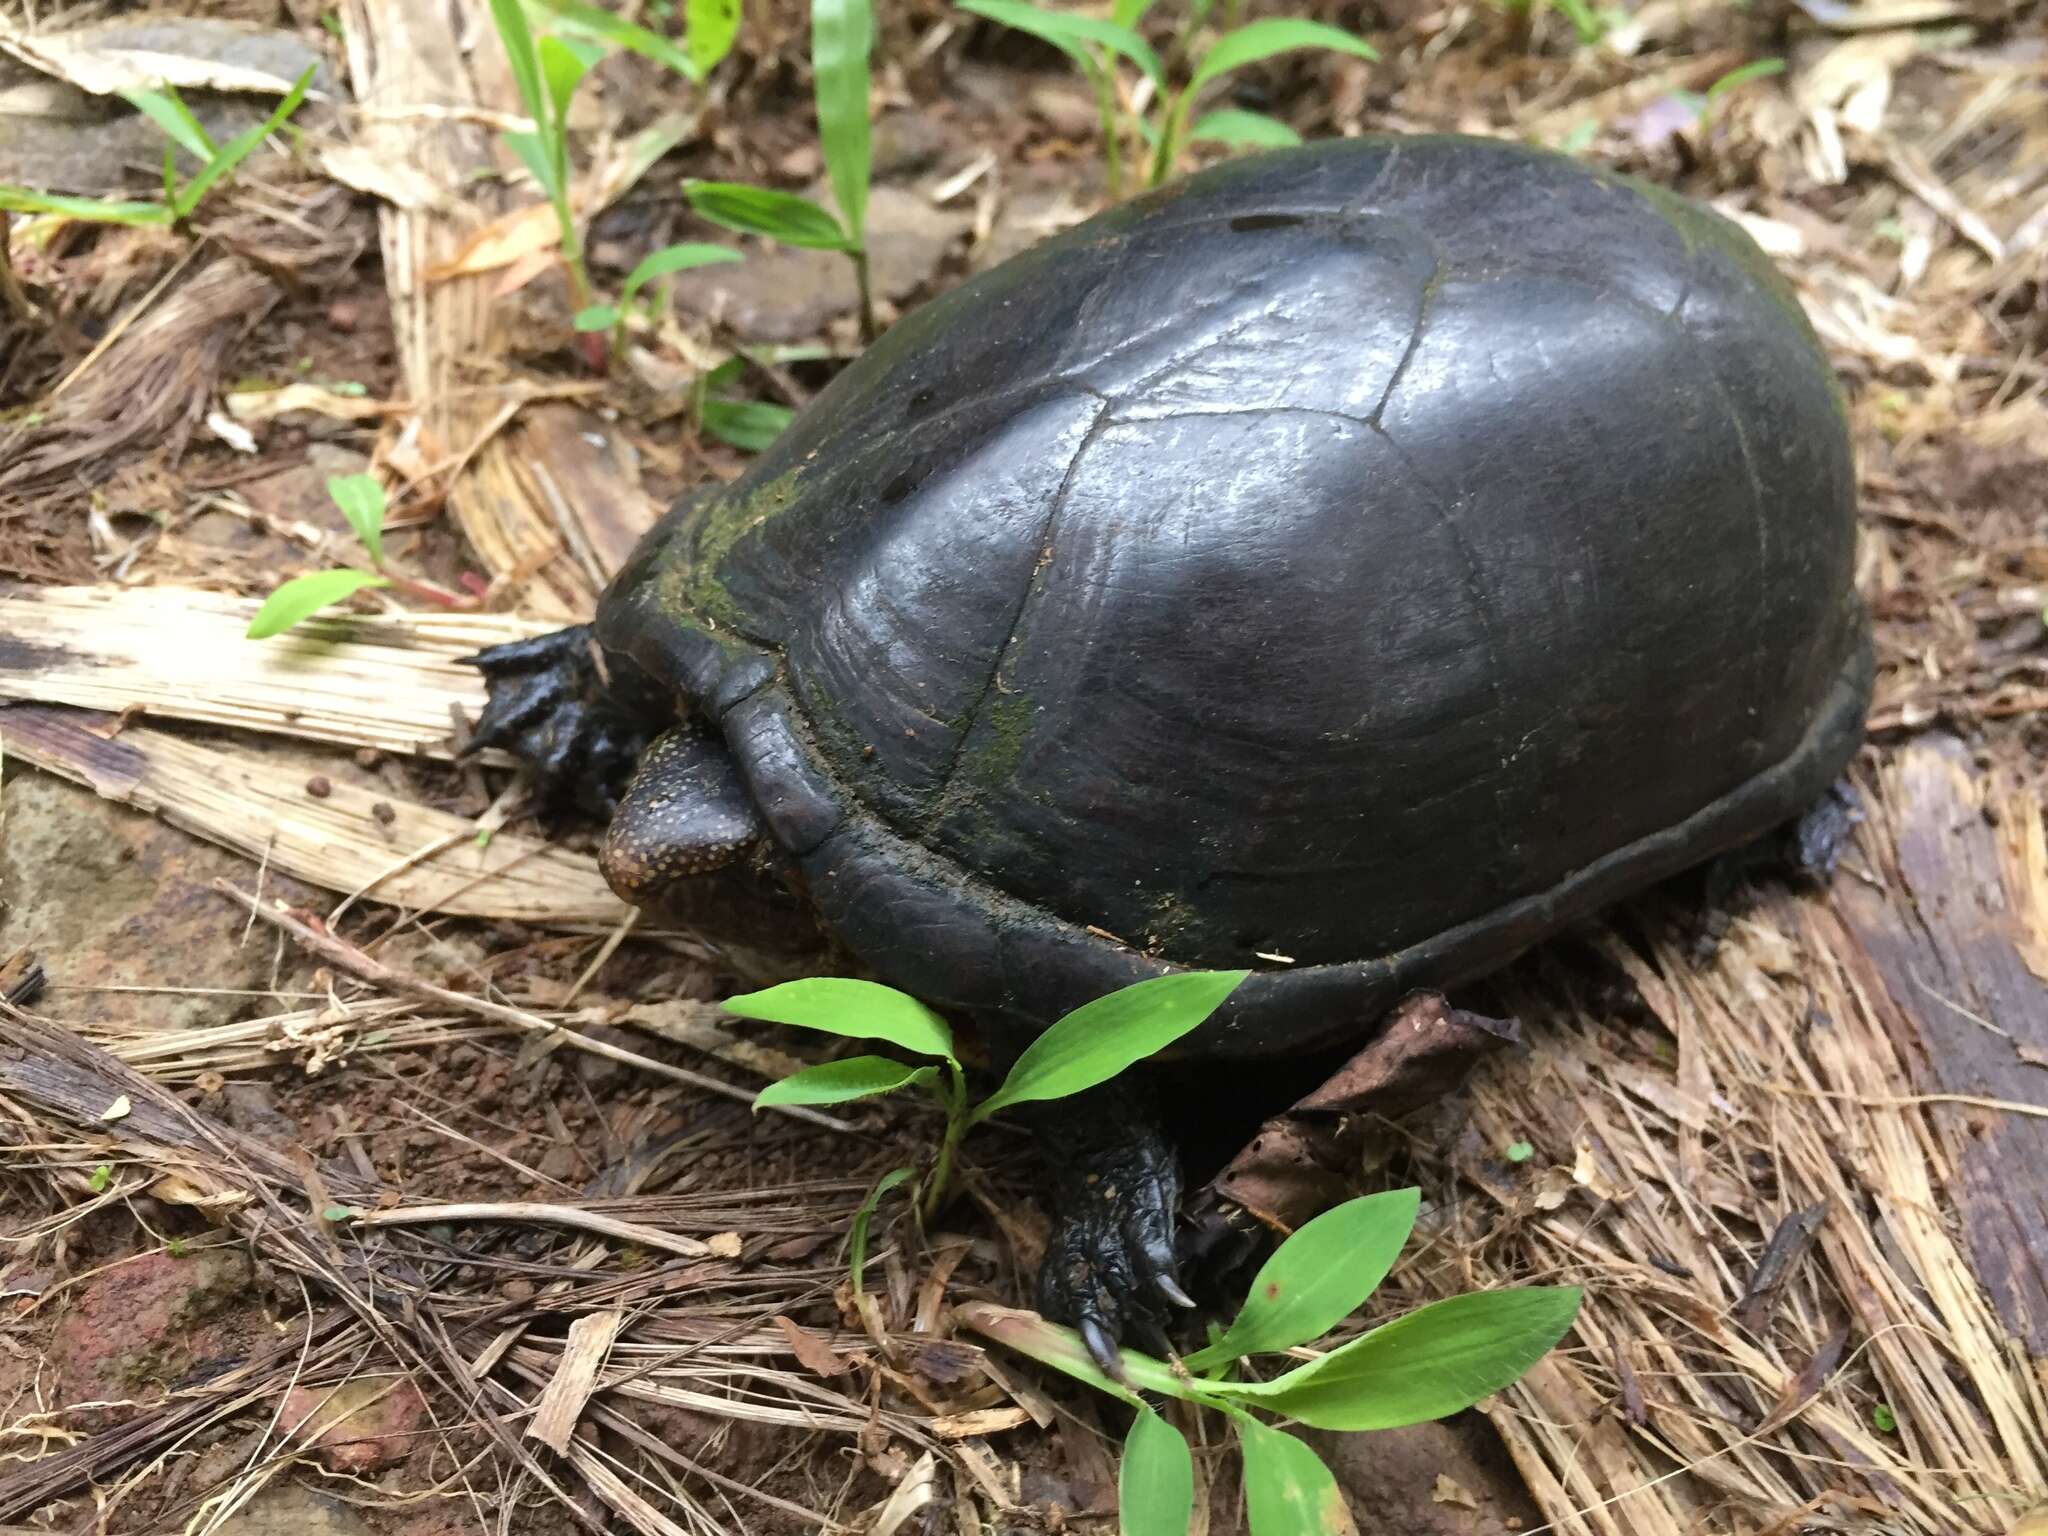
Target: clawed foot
<point>549,709</point>
<point>1805,850</point>
<point>1110,1269</point>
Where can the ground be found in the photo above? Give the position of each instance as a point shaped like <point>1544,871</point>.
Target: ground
<point>211,1317</point>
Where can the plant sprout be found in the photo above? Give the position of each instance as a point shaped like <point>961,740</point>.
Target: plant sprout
<point>361,500</point>
<point>1088,1047</point>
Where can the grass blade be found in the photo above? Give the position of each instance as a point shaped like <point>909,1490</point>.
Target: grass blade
<point>748,425</point>
<point>763,211</point>
<point>838,1082</point>
<point>842,34</point>
<point>361,500</point>
<point>1262,39</point>
<point>1067,32</point>
<point>1100,1039</point>
<point>1156,1483</point>
<point>93,209</point>
<point>168,111</point>
<point>577,18</point>
<point>1318,1277</point>
<point>1242,129</point>
<point>857,1240</point>
<point>671,259</point>
<point>509,17</point>
<point>303,596</point>
<point>241,146</point>
<point>859,1010</point>
<point>1438,1360</point>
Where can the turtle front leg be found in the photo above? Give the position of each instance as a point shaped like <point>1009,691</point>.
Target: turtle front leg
<point>554,706</point>
<point>1116,1199</point>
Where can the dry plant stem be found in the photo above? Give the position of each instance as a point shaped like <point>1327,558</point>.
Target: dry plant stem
<point>536,1211</point>
<point>364,967</point>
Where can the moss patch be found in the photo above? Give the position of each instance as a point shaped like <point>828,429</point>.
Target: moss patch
<point>691,586</point>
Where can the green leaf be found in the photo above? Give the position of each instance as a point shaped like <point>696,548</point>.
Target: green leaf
<point>1100,1039</point>
<point>1262,39</point>
<point>860,1010</point>
<point>842,34</point>
<point>241,146</point>
<point>763,211</point>
<point>516,36</point>
<point>532,151</point>
<point>857,1241</point>
<point>563,64</point>
<point>336,1214</point>
<point>21,200</point>
<point>1318,1277</point>
<point>361,500</point>
<point>1128,13</point>
<point>857,1077</point>
<point>101,1176</point>
<point>1233,127</point>
<point>674,258</point>
<point>1156,1484</point>
<point>1883,1420</point>
<point>1520,1152</point>
<point>1438,1360</point>
<point>1067,32</point>
<point>709,29</point>
<point>597,317</point>
<point>577,18</point>
<point>303,596</point>
<point>168,111</point>
<point>1735,79</point>
<point>1287,1489</point>
<point>1060,1347</point>
<point>748,425</point>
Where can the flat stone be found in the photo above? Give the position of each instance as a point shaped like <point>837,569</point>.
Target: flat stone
<point>293,1509</point>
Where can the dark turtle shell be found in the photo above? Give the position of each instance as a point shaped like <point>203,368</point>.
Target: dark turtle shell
<point>1352,563</point>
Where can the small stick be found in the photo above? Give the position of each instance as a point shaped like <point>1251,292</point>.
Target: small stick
<point>341,953</point>
<point>539,1212</point>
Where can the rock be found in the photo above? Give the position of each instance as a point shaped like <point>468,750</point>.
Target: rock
<point>363,1425</point>
<point>781,294</point>
<point>293,1509</point>
<point>107,896</point>
<point>154,1322</point>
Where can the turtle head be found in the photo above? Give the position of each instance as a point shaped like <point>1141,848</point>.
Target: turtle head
<point>685,814</point>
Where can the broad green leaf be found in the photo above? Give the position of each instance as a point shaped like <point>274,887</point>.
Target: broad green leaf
<point>1287,1489</point>
<point>1100,1039</point>
<point>239,148</point>
<point>22,200</point>
<point>763,211</point>
<point>674,258</point>
<point>859,1010</point>
<point>1735,79</point>
<point>1060,1347</point>
<point>1318,1277</point>
<point>1067,32</point>
<point>1156,1485</point>
<point>303,596</point>
<point>168,111</point>
<point>516,36</point>
<point>361,500</point>
<point>1261,39</point>
<point>533,154</point>
<point>574,17</point>
<point>597,317</point>
<point>1438,1360</point>
<point>1128,13</point>
<point>748,425</point>
<point>1231,126</point>
<point>857,1240</point>
<point>836,1082</point>
<point>563,64</point>
<point>842,34</point>
<point>710,27</point>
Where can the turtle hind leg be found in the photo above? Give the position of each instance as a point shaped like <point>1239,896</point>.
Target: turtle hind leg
<point>1805,850</point>
<point>550,708</point>
<point>686,814</point>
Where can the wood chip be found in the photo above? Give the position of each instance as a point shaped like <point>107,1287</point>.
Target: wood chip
<point>387,681</point>
<point>561,1402</point>
<point>412,856</point>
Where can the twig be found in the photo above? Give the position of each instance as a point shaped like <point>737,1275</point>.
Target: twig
<point>535,1211</point>
<point>353,960</point>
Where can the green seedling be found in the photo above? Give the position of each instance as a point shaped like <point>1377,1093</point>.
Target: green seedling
<point>842,34</point>
<point>857,1246</point>
<point>361,500</point>
<point>546,68</point>
<point>1088,1047</point>
<point>1101,47</point>
<point>1435,1361</point>
<point>1704,105</point>
<point>748,425</point>
<point>182,130</point>
<point>666,262</point>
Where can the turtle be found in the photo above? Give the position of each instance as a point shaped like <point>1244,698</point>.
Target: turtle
<point>1352,563</point>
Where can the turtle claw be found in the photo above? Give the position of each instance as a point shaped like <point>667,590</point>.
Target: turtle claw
<point>1110,1268</point>
<point>548,707</point>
